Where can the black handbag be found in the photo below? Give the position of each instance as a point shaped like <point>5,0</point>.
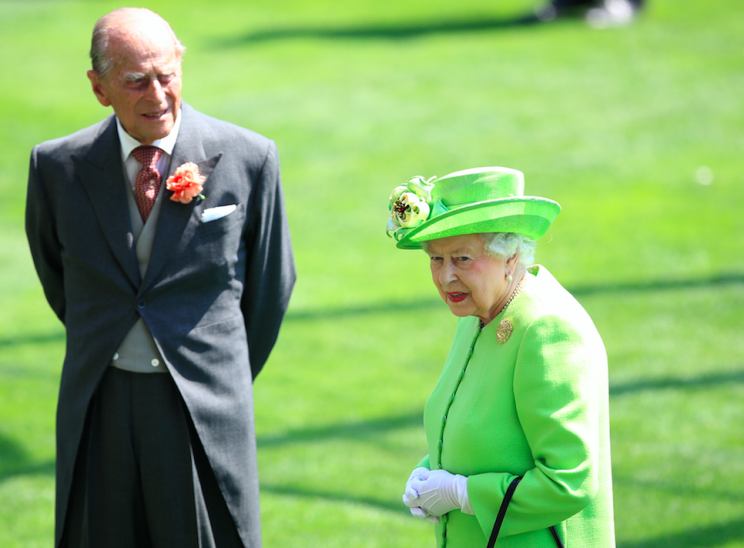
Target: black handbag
<point>502,513</point>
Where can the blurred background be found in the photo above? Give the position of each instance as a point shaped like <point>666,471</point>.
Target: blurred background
<point>636,130</point>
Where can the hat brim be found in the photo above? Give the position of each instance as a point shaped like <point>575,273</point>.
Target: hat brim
<point>528,215</point>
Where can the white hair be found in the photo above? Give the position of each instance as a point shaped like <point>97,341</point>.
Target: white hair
<point>503,245</point>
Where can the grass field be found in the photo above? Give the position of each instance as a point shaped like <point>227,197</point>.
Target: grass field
<point>636,131</point>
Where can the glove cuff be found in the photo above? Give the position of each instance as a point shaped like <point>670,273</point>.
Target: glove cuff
<point>461,490</point>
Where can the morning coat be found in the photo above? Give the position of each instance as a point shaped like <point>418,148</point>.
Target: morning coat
<point>213,296</point>
<point>535,406</point>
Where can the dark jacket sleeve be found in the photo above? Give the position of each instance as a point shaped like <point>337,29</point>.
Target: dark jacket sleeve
<point>270,270</point>
<point>45,246</point>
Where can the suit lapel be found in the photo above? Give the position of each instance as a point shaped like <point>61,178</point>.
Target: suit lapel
<point>101,174</point>
<point>179,221</point>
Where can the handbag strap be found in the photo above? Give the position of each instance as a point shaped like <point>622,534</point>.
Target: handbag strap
<point>502,512</point>
<point>558,541</point>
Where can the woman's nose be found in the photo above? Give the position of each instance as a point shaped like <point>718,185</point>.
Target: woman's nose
<point>447,273</point>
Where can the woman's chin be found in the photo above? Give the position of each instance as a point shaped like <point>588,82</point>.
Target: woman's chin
<point>460,310</point>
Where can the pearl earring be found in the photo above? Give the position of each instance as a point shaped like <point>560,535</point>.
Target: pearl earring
<point>509,278</point>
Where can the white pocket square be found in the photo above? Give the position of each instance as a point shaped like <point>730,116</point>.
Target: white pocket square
<point>214,213</point>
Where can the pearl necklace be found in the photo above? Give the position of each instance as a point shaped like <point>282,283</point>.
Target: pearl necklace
<point>516,292</point>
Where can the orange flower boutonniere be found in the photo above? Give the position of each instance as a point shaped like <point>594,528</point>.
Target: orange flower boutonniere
<point>186,183</point>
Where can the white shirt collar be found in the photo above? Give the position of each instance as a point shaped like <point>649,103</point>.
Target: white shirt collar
<point>129,143</point>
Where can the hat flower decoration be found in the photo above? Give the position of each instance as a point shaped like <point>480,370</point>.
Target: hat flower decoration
<point>409,204</point>
<point>484,199</point>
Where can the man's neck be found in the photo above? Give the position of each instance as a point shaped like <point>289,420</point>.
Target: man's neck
<point>129,143</point>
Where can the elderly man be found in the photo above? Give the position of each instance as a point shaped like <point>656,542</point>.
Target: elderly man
<point>161,242</point>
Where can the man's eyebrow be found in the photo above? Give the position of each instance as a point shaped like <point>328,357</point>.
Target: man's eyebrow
<point>137,76</point>
<point>134,76</point>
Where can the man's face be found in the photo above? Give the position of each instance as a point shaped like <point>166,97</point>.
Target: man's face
<point>143,85</point>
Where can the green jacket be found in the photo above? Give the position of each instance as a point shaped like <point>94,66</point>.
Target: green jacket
<point>536,405</point>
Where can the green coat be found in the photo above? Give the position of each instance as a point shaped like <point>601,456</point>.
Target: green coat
<point>535,406</point>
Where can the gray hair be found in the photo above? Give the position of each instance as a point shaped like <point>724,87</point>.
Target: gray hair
<point>100,59</point>
<point>503,245</point>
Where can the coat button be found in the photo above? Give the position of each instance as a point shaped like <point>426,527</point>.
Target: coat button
<point>155,362</point>
<point>141,303</point>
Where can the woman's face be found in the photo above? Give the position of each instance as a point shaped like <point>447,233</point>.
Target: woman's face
<point>471,282</point>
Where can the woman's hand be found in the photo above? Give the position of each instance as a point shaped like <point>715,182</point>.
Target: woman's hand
<point>410,495</point>
<point>436,492</point>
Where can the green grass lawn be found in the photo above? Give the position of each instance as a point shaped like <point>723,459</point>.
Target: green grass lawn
<point>635,131</point>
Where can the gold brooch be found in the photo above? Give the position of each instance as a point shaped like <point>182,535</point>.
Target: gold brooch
<point>504,331</point>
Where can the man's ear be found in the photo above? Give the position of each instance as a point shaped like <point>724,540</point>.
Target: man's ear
<point>95,81</point>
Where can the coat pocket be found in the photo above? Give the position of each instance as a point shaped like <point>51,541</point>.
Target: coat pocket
<point>214,229</point>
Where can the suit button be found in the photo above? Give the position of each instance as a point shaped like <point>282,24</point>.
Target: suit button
<point>155,362</point>
<point>141,303</point>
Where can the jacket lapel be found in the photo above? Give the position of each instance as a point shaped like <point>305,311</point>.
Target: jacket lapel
<point>179,221</point>
<point>101,174</point>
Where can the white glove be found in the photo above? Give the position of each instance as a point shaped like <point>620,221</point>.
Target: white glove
<point>440,492</point>
<point>410,495</point>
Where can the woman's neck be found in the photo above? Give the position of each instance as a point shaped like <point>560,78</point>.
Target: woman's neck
<point>511,290</point>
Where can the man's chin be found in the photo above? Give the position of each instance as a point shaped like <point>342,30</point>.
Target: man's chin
<point>157,131</point>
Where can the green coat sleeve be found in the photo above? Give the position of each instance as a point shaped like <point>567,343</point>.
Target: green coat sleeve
<point>557,402</point>
<point>424,462</point>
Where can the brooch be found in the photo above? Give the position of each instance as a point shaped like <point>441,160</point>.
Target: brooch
<point>504,331</point>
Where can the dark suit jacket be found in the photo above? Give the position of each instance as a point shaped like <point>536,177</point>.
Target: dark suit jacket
<point>213,296</point>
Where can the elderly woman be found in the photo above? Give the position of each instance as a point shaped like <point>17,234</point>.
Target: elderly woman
<point>523,396</point>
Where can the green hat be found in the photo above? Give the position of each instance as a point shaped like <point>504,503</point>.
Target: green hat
<point>482,199</point>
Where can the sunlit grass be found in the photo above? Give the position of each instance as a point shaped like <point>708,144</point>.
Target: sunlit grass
<point>615,125</point>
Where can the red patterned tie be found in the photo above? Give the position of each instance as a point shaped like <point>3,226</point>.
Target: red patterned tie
<point>147,184</point>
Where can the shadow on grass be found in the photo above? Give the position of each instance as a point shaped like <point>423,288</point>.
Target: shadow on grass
<point>351,430</point>
<point>385,32</point>
<point>392,307</point>
<point>44,338</point>
<point>733,278</point>
<point>711,536</point>
<point>334,497</point>
<point>677,489</point>
<point>15,461</point>
<point>578,291</point>
<point>705,380</point>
